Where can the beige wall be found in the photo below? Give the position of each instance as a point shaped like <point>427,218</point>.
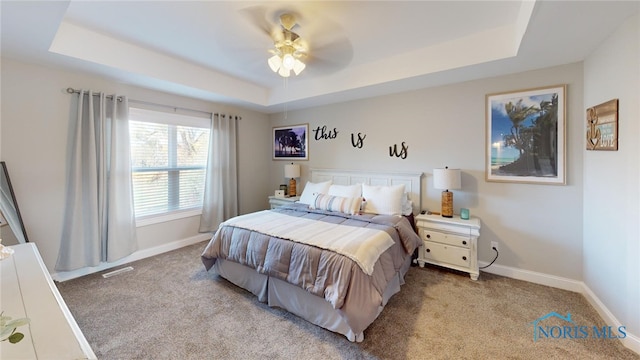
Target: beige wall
<point>35,123</point>
<point>538,227</point>
<point>612,180</point>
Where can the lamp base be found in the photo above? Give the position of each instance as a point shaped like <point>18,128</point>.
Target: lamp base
<point>447,204</point>
<point>292,187</point>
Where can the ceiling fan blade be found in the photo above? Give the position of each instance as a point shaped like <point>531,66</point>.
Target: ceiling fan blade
<point>300,43</point>
<point>259,18</point>
<point>330,57</point>
<point>277,35</point>
<point>288,21</point>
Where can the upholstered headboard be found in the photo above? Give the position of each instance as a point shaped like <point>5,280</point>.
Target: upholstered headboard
<point>411,181</point>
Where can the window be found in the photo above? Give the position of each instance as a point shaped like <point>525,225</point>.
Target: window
<point>169,159</point>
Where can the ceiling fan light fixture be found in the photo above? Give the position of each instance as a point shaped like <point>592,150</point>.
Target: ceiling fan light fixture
<point>283,65</point>
<point>298,66</point>
<point>288,61</point>
<point>274,63</point>
<point>284,72</point>
<point>289,48</point>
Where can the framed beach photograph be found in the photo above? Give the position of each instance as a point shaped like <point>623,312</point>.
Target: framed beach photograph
<point>291,142</point>
<point>525,136</point>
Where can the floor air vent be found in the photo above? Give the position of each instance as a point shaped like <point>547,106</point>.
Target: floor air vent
<point>117,272</point>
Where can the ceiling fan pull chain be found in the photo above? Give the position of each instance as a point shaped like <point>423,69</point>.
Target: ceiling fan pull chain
<point>285,83</point>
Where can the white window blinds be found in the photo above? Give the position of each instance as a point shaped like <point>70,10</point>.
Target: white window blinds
<point>169,157</point>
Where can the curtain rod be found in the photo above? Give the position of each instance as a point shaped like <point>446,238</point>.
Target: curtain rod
<point>72,91</point>
<point>170,107</point>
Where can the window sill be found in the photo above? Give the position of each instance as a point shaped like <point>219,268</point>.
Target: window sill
<point>157,219</point>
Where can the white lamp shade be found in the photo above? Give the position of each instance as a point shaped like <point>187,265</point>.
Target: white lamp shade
<point>275,62</point>
<point>292,171</point>
<point>446,179</point>
<point>284,72</point>
<point>288,61</point>
<point>298,67</point>
<point>284,64</point>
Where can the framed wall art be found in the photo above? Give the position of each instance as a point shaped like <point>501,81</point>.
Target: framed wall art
<point>525,136</point>
<point>602,126</point>
<point>291,142</point>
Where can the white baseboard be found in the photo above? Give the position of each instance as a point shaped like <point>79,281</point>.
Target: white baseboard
<point>631,341</point>
<point>534,277</point>
<point>138,255</point>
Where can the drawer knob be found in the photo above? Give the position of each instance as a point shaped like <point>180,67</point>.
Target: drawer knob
<point>428,250</point>
<point>428,236</point>
<point>464,242</point>
<point>464,258</point>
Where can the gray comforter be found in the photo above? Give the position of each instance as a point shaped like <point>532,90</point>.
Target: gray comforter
<point>324,273</point>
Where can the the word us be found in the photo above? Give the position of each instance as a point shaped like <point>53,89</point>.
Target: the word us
<point>402,153</point>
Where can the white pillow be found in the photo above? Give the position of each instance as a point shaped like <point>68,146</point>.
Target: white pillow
<point>407,205</point>
<point>383,200</point>
<point>346,190</point>
<point>311,190</point>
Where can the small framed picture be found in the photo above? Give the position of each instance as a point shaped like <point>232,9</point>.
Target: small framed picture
<point>525,137</point>
<point>291,142</point>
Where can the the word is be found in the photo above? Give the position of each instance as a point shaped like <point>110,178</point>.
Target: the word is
<point>359,142</point>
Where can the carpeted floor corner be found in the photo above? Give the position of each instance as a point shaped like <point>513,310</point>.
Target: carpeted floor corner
<point>169,307</point>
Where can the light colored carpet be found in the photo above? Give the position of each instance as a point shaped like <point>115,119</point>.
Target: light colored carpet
<point>170,308</point>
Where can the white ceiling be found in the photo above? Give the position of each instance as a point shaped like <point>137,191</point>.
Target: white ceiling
<point>217,50</point>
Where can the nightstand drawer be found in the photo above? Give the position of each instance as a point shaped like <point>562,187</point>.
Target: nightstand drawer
<point>449,242</point>
<point>446,254</point>
<point>440,237</point>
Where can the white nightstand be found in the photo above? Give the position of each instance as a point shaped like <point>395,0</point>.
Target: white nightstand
<point>276,202</point>
<point>449,242</point>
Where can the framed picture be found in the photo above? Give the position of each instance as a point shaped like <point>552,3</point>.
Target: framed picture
<point>602,126</point>
<point>525,136</point>
<point>291,142</point>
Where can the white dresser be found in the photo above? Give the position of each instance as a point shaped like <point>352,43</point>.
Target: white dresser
<point>27,290</point>
<point>449,242</point>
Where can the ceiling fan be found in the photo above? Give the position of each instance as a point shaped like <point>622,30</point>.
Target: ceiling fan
<point>319,47</point>
<point>290,48</point>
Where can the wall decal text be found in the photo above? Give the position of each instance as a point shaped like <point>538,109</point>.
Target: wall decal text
<point>322,133</point>
<point>393,151</point>
<point>359,143</point>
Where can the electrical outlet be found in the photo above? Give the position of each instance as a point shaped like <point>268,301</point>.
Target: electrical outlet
<point>494,245</point>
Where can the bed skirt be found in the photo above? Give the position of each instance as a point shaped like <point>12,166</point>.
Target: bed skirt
<point>316,310</point>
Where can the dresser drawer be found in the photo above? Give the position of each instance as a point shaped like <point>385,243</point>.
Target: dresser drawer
<point>443,253</point>
<point>445,238</point>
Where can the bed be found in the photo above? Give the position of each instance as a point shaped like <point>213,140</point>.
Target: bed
<point>325,261</point>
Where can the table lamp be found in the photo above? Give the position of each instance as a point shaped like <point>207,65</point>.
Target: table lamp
<point>292,171</point>
<point>446,179</point>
